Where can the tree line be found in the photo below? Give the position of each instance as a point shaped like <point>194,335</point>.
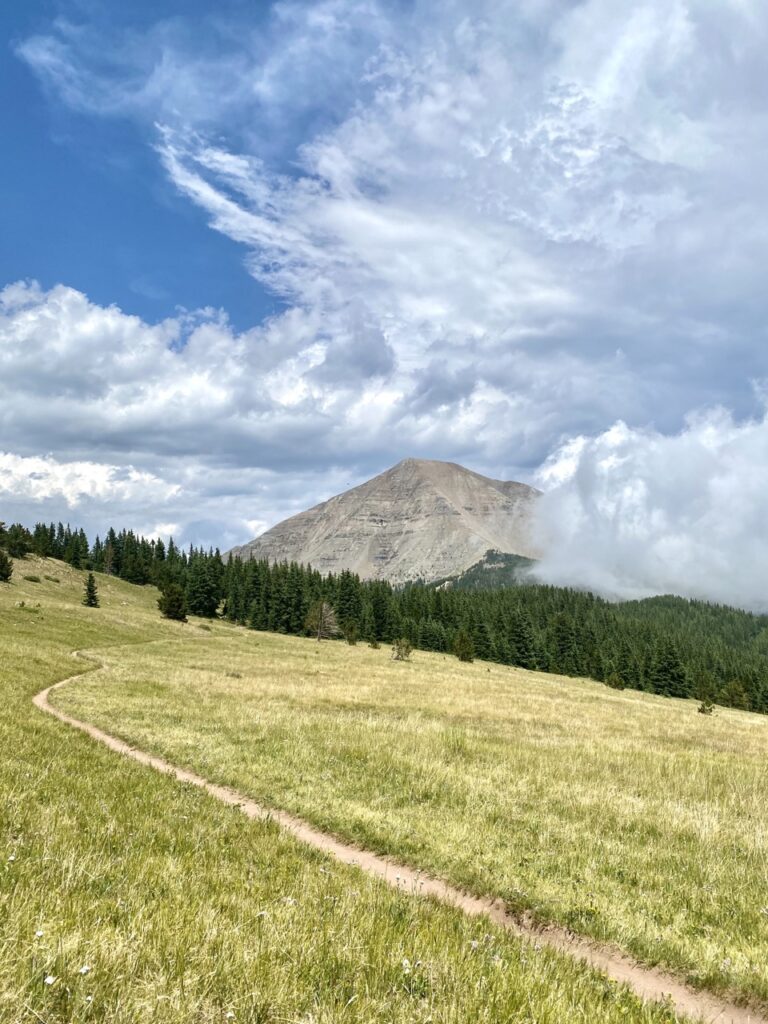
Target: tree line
<point>198,573</point>
<point>667,645</point>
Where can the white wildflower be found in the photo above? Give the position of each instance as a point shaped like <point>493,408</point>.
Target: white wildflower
<point>85,969</point>
<point>50,980</point>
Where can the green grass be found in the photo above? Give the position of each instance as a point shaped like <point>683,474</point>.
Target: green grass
<point>181,909</point>
<point>626,817</point>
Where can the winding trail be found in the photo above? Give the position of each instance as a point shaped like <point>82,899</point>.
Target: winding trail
<point>648,983</point>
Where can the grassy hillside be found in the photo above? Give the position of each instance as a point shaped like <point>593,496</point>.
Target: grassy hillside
<point>127,897</point>
<point>625,816</point>
<point>666,646</point>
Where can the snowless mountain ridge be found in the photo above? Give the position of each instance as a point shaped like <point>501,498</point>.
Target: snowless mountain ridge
<point>421,519</point>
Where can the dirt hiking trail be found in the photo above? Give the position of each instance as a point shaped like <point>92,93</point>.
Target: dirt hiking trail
<point>648,983</point>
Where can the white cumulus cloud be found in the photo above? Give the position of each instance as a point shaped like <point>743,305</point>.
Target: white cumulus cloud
<point>633,512</point>
<point>44,477</point>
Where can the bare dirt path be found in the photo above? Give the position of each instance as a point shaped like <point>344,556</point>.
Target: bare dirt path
<point>648,983</point>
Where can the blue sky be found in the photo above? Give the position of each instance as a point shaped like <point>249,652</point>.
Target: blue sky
<point>88,204</point>
<point>252,253</point>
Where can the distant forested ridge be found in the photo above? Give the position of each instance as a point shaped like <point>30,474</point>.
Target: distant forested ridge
<point>494,570</point>
<point>664,645</point>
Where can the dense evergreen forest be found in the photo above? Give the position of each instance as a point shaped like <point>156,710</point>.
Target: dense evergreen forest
<point>664,645</point>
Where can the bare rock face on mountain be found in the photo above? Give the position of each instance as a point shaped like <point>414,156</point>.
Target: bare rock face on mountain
<point>419,520</point>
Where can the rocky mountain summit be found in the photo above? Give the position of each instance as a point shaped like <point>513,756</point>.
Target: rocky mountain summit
<point>419,520</point>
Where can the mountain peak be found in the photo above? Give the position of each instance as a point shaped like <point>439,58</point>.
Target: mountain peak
<point>420,519</point>
<point>413,463</point>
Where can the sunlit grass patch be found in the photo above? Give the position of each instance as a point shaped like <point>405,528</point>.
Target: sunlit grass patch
<point>626,817</point>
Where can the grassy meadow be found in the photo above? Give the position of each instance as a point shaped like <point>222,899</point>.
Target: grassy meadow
<point>126,897</point>
<point>626,817</point>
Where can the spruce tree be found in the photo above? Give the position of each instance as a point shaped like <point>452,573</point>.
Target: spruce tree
<point>482,642</point>
<point>565,651</point>
<point>6,567</point>
<point>668,673</point>
<point>463,647</point>
<point>351,633</point>
<point>368,623</point>
<point>18,541</point>
<point>202,593</point>
<point>735,695</point>
<point>41,540</point>
<point>704,689</point>
<point>172,602</point>
<point>521,641</point>
<point>91,596</point>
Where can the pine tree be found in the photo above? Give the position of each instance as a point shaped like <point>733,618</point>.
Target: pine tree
<point>91,596</point>
<point>6,567</point>
<point>173,603</point>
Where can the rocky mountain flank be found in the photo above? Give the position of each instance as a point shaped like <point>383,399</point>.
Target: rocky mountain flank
<point>419,520</point>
